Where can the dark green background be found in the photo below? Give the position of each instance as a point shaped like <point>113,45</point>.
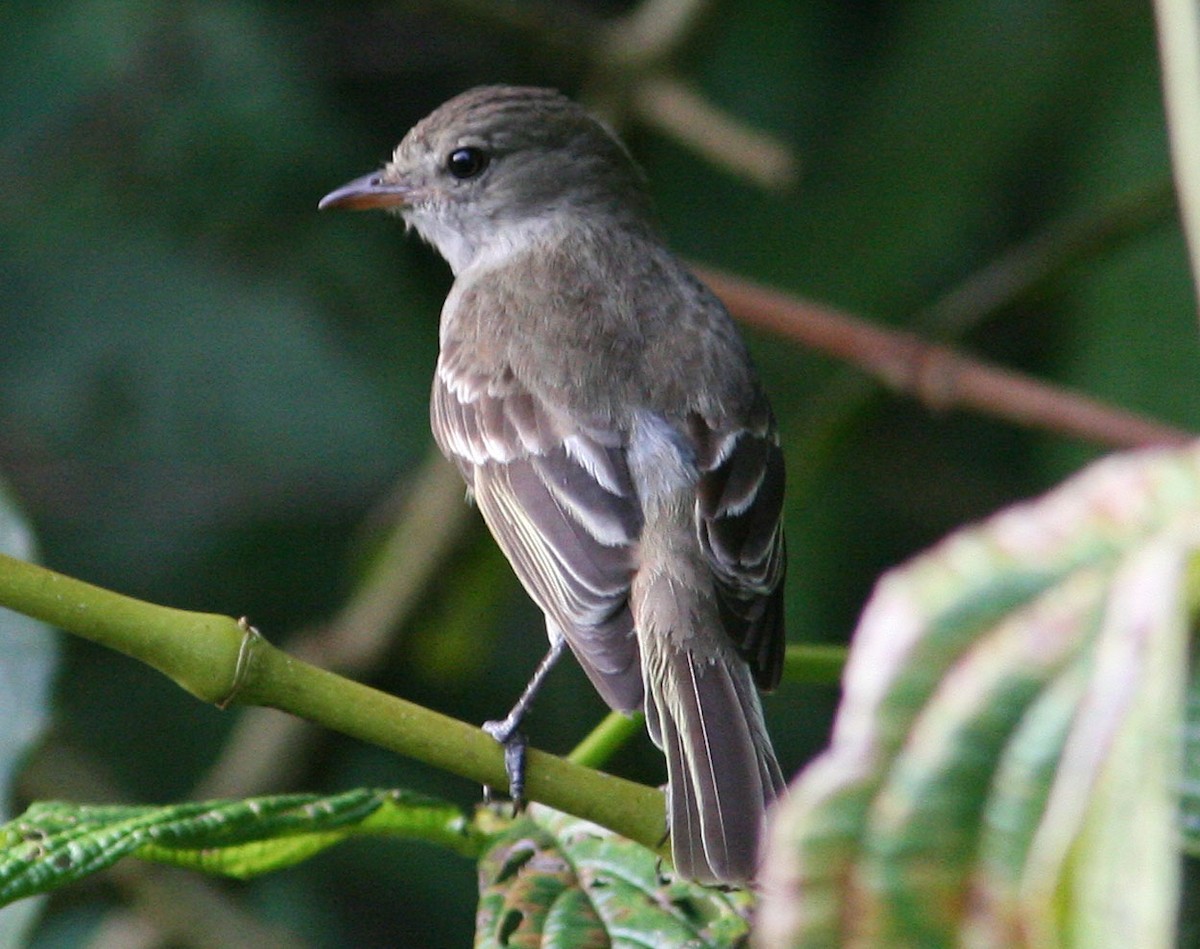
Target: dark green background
<point>208,390</point>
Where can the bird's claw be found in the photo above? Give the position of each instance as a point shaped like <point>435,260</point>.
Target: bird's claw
<point>514,744</point>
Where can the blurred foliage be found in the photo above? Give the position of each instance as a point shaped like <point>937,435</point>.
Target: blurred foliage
<point>28,661</point>
<point>207,390</point>
<point>1005,769</point>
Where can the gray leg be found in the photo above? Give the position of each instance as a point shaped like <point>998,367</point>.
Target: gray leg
<point>507,730</point>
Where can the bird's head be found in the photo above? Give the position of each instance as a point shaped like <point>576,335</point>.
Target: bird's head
<point>497,163</point>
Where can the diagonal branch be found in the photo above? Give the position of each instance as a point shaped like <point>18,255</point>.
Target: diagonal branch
<point>939,376</point>
<point>222,660</point>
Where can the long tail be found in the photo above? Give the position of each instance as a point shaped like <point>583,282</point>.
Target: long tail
<point>702,710</point>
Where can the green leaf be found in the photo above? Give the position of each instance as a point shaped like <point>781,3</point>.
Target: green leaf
<point>551,880</point>
<point>54,843</point>
<point>1005,767</point>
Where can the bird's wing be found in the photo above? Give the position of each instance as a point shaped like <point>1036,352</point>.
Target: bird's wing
<point>739,503</point>
<point>559,501</point>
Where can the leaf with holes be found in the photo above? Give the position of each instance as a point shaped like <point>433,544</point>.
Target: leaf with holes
<point>1005,766</point>
<point>552,880</point>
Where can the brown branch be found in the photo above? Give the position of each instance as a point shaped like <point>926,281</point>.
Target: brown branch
<point>939,376</point>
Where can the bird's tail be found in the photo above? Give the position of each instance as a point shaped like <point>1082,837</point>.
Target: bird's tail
<point>703,711</point>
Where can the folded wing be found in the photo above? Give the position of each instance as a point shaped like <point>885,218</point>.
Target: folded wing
<point>558,498</point>
<point>739,504</point>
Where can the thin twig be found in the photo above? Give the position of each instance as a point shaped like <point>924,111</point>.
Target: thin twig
<point>665,102</point>
<point>430,522</point>
<point>938,375</point>
<point>1032,262</point>
<point>652,31</point>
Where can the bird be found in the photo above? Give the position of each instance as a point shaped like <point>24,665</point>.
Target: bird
<point>605,415</point>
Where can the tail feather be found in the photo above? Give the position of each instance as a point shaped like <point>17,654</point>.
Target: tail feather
<point>721,771</point>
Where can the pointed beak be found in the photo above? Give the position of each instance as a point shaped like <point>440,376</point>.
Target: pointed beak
<point>369,191</point>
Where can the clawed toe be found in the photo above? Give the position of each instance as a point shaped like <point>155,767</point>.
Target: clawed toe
<point>514,744</point>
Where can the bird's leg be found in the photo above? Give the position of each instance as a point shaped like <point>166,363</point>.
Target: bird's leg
<point>507,730</point>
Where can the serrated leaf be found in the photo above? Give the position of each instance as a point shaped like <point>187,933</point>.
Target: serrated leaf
<point>54,843</point>
<point>1004,769</point>
<point>552,880</point>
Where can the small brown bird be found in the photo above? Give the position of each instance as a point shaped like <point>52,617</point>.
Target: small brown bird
<point>603,410</point>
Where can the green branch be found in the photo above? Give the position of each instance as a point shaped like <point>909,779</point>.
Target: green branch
<point>814,663</point>
<point>225,661</point>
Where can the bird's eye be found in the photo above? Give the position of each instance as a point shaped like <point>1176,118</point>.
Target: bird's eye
<point>466,162</point>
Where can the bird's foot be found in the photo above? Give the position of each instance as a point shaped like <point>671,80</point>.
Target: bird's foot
<point>514,743</point>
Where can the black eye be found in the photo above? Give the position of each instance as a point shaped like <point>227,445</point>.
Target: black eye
<point>466,162</point>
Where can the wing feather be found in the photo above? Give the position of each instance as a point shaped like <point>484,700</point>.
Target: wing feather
<point>739,506</point>
<point>559,500</point>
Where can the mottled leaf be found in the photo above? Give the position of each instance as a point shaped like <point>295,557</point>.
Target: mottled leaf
<point>552,880</point>
<point>1005,767</point>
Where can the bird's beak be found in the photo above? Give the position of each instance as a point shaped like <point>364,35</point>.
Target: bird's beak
<point>369,191</point>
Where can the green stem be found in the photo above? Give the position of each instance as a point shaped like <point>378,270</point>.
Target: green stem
<point>604,740</point>
<point>805,662</point>
<point>198,651</point>
<point>221,660</point>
